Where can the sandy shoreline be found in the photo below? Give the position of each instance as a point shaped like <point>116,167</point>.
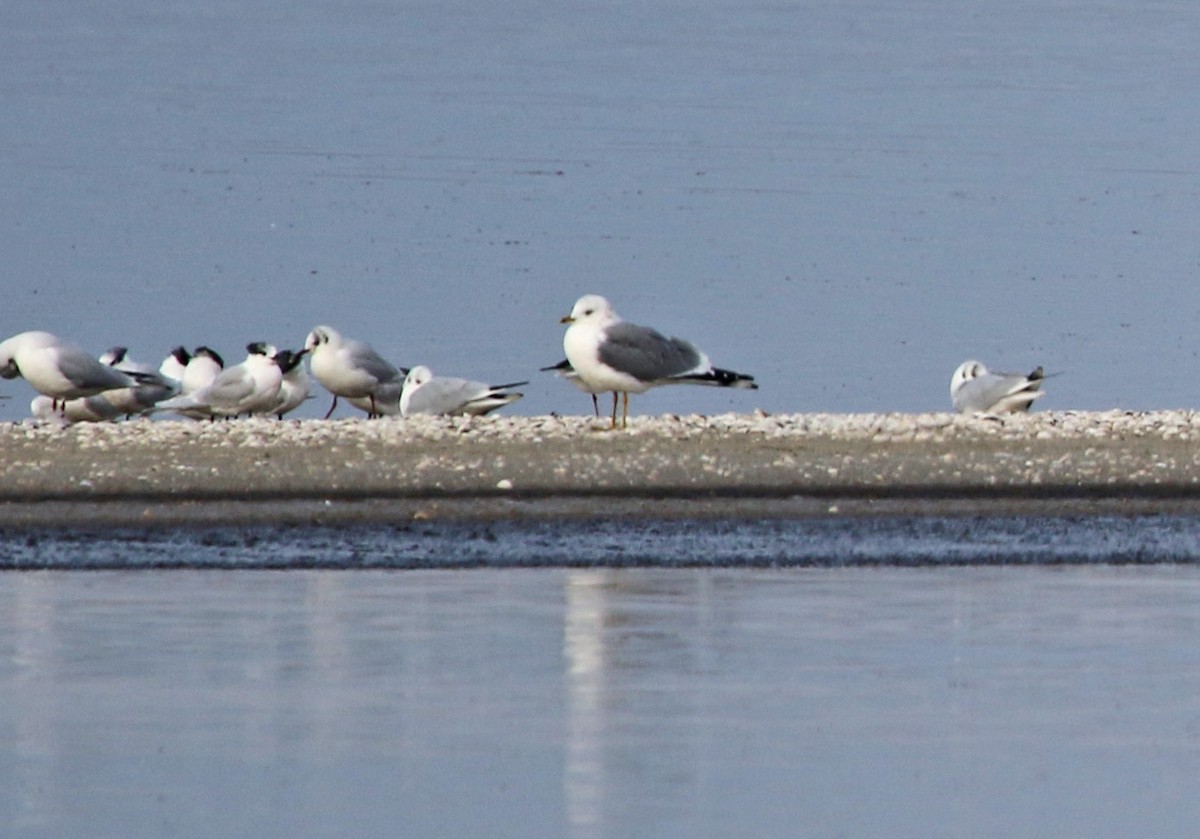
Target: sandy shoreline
<point>147,473</point>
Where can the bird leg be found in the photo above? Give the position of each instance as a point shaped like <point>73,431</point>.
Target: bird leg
<point>625,410</point>
<point>614,416</point>
<point>329,413</point>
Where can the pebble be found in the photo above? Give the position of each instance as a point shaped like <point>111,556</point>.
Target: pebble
<point>1177,425</point>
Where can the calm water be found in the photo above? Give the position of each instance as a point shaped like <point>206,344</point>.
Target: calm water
<point>846,199</point>
<point>704,693</point>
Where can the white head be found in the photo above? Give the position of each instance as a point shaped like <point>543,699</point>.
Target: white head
<point>417,376</point>
<point>22,341</point>
<point>591,308</point>
<point>966,371</point>
<point>320,336</point>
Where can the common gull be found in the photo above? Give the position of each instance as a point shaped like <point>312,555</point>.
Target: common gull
<point>610,354</point>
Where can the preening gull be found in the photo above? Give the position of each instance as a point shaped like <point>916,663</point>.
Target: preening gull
<point>425,393</point>
<point>352,369</point>
<point>610,354</point>
<point>975,389</point>
<point>57,369</point>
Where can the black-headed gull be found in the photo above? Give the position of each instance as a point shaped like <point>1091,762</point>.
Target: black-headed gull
<point>975,389</point>
<point>425,393</point>
<point>352,369</point>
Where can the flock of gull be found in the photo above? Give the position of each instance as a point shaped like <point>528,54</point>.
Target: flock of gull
<point>604,354</point>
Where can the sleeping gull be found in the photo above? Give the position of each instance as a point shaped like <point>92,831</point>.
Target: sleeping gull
<point>975,389</point>
<point>425,393</point>
<point>352,369</point>
<point>57,369</point>
<point>609,354</point>
<point>567,373</point>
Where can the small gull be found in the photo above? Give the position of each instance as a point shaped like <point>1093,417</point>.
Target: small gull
<point>609,354</point>
<point>57,369</point>
<point>425,393</point>
<point>975,389</point>
<point>353,370</point>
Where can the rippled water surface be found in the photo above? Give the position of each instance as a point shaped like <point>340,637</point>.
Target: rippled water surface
<point>702,693</point>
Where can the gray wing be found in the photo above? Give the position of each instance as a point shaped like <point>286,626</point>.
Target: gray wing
<point>231,387</point>
<point>645,353</point>
<point>83,371</point>
<point>444,396</point>
<point>363,357</point>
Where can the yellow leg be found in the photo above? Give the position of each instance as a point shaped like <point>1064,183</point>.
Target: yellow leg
<point>625,410</point>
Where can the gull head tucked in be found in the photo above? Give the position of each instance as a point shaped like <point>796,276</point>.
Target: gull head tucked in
<point>425,393</point>
<point>976,390</point>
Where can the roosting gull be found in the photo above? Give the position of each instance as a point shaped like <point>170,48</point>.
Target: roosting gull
<point>251,387</point>
<point>425,393</point>
<point>975,389</point>
<point>59,370</point>
<point>352,369</point>
<point>609,354</point>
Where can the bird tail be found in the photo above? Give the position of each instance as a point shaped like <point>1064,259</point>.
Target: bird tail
<point>720,378</point>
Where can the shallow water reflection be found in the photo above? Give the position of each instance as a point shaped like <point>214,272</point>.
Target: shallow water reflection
<point>602,702</point>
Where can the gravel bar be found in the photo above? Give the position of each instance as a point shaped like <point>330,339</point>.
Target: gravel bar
<point>146,472</point>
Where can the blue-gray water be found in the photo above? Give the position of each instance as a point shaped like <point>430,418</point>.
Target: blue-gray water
<point>844,199</point>
<point>890,677</point>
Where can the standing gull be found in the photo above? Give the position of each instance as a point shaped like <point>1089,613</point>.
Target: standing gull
<point>352,369</point>
<point>425,393</point>
<point>57,369</point>
<point>975,389</point>
<point>609,354</point>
